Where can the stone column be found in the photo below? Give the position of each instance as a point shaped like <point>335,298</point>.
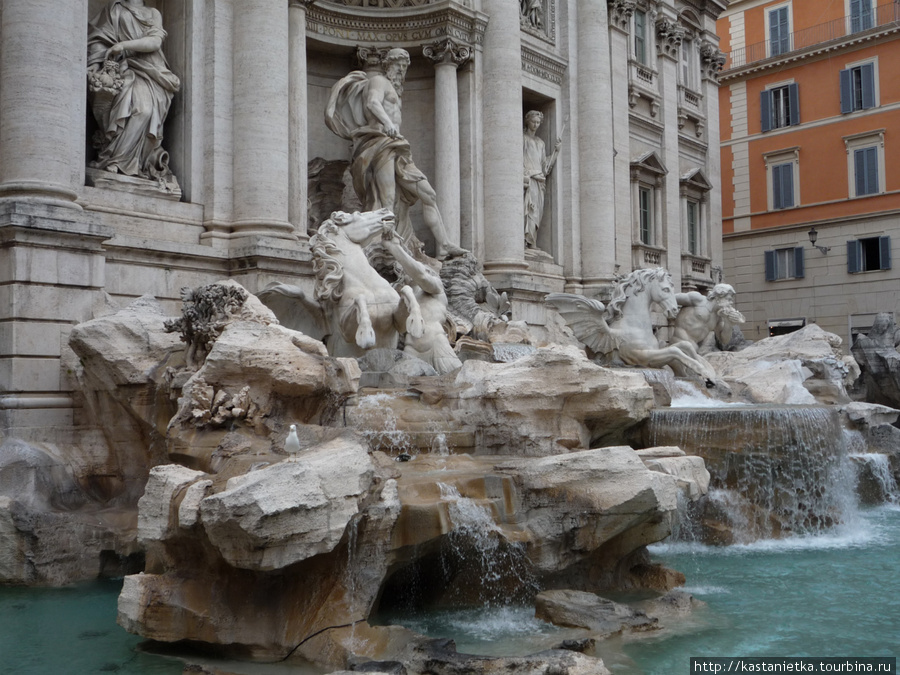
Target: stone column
<point>620,12</point>
<point>261,119</point>
<point>298,130</point>
<point>504,209</point>
<point>595,143</point>
<point>447,56</point>
<point>43,61</point>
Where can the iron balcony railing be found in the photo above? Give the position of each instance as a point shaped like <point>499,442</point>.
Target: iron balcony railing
<point>878,17</point>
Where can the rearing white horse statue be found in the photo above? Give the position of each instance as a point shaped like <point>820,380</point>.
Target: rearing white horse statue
<point>624,329</point>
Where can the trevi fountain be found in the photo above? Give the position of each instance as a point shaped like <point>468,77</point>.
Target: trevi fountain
<point>388,466</point>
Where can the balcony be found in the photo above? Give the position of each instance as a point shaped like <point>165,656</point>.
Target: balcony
<point>833,31</point>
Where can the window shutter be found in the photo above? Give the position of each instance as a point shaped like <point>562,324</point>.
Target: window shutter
<point>765,109</point>
<point>884,252</point>
<point>787,185</point>
<point>855,16</point>
<point>770,265</point>
<point>777,198</point>
<point>798,262</point>
<point>872,171</point>
<point>794,94</point>
<point>868,85</point>
<point>854,256</point>
<point>859,163</point>
<point>846,92</point>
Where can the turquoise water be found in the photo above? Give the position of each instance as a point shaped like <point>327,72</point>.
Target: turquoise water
<point>71,631</point>
<point>831,595</point>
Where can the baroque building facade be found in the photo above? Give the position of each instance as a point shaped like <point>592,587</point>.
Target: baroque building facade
<point>629,86</point>
<point>810,179</point>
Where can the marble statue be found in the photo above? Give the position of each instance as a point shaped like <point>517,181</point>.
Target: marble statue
<point>474,302</point>
<point>532,13</point>
<point>433,346</point>
<point>537,167</point>
<point>365,108</point>
<point>354,308</point>
<point>130,88</point>
<point>623,330</point>
<point>707,321</point>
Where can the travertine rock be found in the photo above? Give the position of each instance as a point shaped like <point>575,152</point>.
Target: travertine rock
<point>805,366</point>
<point>293,510</point>
<point>879,361</point>
<point>579,609</point>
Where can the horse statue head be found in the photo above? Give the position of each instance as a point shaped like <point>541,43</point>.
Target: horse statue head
<point>656,283</point>
<point>330,243</point>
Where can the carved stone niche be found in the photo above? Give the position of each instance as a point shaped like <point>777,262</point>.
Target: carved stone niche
<point>353,22</point>
<point>669,34</point>
<point>620,12</point>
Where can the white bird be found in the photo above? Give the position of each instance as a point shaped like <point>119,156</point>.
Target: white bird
<point>292,442</point>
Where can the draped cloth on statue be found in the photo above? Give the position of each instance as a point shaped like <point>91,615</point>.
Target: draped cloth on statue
<point>372,150</point>
<point>535,186</point>
<point>131,117</point>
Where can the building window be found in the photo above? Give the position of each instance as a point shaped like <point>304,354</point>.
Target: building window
<point>865,163</point>
<point>783,186</point>
<point>861,15</point>
<point>868,254</point>
<point>858,88</point>
<point>784,263</point>
<point>783,176</point>
<point>688,71</point>
<point>640,37</point>
<point>779,30</point>
<point>645,211</point>
<point>693,227</point>
<point>780,107</point>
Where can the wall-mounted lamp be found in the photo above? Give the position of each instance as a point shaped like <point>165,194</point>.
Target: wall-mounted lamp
<point>813,235</point>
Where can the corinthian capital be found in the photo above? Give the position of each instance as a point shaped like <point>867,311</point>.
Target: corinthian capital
<point>620,12</point>
<point>447,51</point>
<point>669,34</point>
<point>713,59</point>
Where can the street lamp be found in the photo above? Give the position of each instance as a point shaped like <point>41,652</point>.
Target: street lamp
<point>813,235</point>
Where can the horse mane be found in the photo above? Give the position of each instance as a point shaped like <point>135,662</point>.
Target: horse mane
<point>635,282</point>
<point>328,269</point>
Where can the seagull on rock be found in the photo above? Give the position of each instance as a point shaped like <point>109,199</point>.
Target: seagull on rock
<point>292,442</point>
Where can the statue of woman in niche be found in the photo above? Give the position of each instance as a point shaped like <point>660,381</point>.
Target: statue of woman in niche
<point>537,167</point>
<point>130,88</point>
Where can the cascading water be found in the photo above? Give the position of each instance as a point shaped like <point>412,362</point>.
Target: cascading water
<point>774,470</point>
<point>378,423</point>
<point>477,542</point>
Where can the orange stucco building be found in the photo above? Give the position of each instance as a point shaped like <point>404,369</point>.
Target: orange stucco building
<point>810,132</point>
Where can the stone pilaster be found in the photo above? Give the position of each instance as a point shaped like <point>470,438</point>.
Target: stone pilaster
<point>43,60</point>
<point>261,63</point>
<point>297,131</point>
<point>595,148</point>
<point>669,35</point>
<point>447,56</point>
<point>504,209</point>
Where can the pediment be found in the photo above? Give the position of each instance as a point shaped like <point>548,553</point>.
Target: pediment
<point>697,180</point>
<point>650,162</point>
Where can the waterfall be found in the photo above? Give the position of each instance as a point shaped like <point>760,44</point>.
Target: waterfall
<point>775,471</point>
<point>876,482</point>
<point>379,424</point>
<point>478,544</point>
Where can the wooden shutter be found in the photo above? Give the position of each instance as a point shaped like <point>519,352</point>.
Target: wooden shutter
<point>868,85</point>
<point>770,265</point>
<point>798,262</point>
<point>765,109</point>
<point>884,252</point>
<point>854,256</point>
<point>846,92</point>
<point>794,97</point>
